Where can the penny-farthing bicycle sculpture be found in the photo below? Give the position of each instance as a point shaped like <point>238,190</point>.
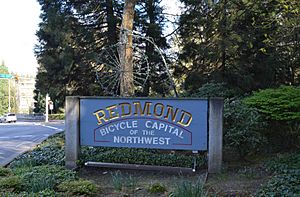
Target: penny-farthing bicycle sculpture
<point>109,69</point>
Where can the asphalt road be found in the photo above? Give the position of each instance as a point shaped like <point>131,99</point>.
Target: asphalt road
<point>17,138</point>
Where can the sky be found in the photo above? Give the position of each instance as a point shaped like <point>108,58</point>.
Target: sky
<point>18,24</point>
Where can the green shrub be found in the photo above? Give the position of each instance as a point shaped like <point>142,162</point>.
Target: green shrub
<point>39,178</point>
<point>12,183</point>
<point>156,188</point>
<point>214,90</point>
<point>242,126</point>
<point>79,187</point>
<point>56,116</point>
<point>188,189</point>
<point>277,104</point>
<point>5,171</point>
<point>281,107</point>
<point>140,156</point>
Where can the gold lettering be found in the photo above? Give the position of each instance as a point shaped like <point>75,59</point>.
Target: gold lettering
<point>100,114</point>
<point>161,110</point>
<point>137,106</point>
<point>171,113</point>
<point>124,114</point>
<point>112,113</point>
<point>182,118</point>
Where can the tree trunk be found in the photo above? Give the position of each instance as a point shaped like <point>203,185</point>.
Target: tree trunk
<point>126,50</point>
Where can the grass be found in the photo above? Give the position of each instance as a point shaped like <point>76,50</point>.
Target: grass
<point>78,187</point>
<point>189,189</point>
<point>117,180</point>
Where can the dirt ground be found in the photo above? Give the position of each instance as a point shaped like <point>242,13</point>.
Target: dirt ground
<point>234,180</point>
<point>136,182</point>
<point>244,181</point>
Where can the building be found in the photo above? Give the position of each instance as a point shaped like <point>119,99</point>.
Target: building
<point>25,85</point>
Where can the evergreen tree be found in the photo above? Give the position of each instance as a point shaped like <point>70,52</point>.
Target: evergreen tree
<point>3,90</point>
<point>4,95</point>
<point>71,35</point>
<point>239,43</point>
<point>150,23</point>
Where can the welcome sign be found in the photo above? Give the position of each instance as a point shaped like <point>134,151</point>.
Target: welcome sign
<point>178,124</point>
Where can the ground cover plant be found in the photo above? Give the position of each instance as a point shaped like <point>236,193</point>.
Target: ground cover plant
<point>78,187</point>
<point>277,175</point>
<point>34,180</point>
<point>286,176</point>
<point>142,156</point>
<point>41,171</point>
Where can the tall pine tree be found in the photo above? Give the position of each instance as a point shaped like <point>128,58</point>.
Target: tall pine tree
<point>239,43</point>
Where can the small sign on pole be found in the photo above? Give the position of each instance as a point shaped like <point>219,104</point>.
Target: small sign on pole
<point>5,76</point>
<point>51,106</point>
<point>47,107</point>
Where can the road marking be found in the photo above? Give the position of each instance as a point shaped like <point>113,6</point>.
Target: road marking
<point>17,136</point>
<point>17,123</point>
<point>57,129</point>
<point>21,144</point>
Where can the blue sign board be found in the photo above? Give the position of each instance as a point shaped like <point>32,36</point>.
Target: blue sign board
<point>6,76</point>
<point>177,124</point>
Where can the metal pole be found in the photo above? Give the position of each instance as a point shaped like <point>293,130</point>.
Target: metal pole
<point>9,108</point>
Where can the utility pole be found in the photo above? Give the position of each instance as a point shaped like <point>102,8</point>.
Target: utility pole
<point>9,108</point>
